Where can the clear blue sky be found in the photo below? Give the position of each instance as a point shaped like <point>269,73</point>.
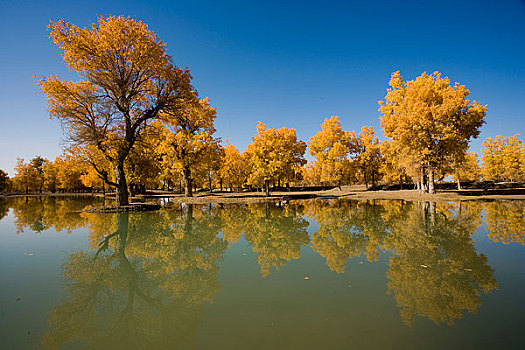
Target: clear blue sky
<point>285,63</point>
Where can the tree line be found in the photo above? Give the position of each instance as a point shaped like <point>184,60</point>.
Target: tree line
<point>134,121</point>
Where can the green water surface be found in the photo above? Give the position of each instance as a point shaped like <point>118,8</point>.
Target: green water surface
<point>332,274</point>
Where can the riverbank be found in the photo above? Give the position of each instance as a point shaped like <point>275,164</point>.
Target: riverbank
<point>347,192</point>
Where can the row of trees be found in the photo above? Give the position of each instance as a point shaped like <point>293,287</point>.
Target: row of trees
<point>177,161</point>
<point>135,121</point>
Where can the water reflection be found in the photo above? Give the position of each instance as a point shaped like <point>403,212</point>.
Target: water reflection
<point>42,213</point>
<point>144,286</point>
<point>147,276</point>
<point>435,271</point>
<point>506,221</point>
<point>347,229</point>
<point>276,234</point>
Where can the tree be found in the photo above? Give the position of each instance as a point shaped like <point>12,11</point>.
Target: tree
<point>503,159</point>
<point>69,171</point>
<point>210,163</point>
<point>39,163</point>
<point>128,79</point>
<point>233,168</point>
<point>4,181</point>
<point>429,117</point>
<point>394,165</point>
<point>367,154</point>
<point>466,168</point>
<point>26,176</point>
<point>274,155</point>
<point>330,147</point>
<point>186,138</point>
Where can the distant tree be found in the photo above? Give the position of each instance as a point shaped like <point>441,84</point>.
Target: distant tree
<point>233,168</point>
<point>330,147</point>
<point>210,164</point>
<point>394,166</point>
<point>185,139</point>
<point>467,168</point>
<point>367,154</point>
<point>69,171</point>
<point>26,176</point>
<point>274,155</point>
<point>128,79</point>
<point>4,181</point>
<point>50,176</point>
<point>430,118</point>
<point>503,159</point>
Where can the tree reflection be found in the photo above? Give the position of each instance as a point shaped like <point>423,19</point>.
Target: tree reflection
<point>153,271</point>
<point>145,285</point>
<point>42,213</point>
<point>347,229</point>
<point>4,208</point>
<point>505,221</point>
<point>436,272</point>
<point>276,232</point>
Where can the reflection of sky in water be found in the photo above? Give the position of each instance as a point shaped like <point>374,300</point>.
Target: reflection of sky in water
<point>280,284</point>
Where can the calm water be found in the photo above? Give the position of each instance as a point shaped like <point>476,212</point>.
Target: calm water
<point>303,275</point>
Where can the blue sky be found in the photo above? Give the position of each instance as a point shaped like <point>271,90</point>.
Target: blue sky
<point>284,63</point>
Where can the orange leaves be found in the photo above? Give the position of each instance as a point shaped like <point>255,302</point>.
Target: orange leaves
<point>330,147</point>
<point>503,159</point>
<point>116,47</point>
<point>233,168</point>
<point>128,80</point>
<point>430,121</point>
<point>275,154</point>
<point>428,115</point>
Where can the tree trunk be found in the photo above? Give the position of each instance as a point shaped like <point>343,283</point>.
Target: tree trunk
<point>186,178</point>
<point>431,188</point>
<point>400,182</point>
<point>267,187</point>
<point>421,180</point>
<point>209,181</point>
<point>104,188</point>
<point>458,181</point>
<point>122,187</point>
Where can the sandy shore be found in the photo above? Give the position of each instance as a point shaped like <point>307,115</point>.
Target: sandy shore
<point>348,192</point>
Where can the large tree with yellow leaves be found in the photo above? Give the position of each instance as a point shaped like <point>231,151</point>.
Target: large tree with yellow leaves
<point>274,155</point>
<point>431,119</point>
<point>127,79</point>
